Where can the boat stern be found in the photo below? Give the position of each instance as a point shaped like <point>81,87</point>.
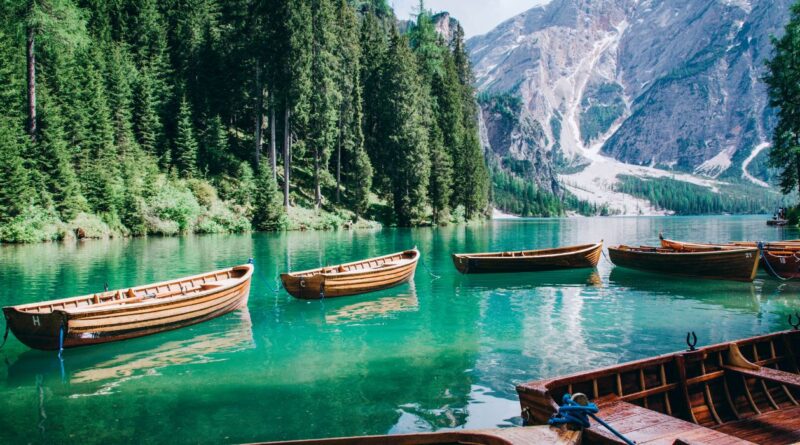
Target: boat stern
<point>461,263</point>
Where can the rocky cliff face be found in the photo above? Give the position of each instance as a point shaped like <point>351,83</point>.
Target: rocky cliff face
<point>669,84</point>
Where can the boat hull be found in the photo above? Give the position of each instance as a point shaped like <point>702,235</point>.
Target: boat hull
<point>506,436</point>
<point>315,286</point>
<point>780,258</point>
<point>575,257</point>
<point>728,264</point>
<point>82,328</point>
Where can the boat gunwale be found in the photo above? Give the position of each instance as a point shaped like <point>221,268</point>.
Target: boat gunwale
<point>581,376</point>
<point>151,302</point>
<point>580,248</point>
<point>641,250</point>
<point>310,273</point>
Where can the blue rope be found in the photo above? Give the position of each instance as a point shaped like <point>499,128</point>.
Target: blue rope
<point>60,341</point>
<point>573,413</point>
<point>263,277</point>
<point>435,277</point>
<point>769,266</point>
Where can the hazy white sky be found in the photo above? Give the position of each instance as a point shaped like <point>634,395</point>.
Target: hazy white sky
<point>476,16</point>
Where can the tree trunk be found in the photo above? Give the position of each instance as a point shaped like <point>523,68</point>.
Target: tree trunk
<point>287,159</point>
<point>317,190</point>
<point>339,161</point>
<point>259,116</point>
<point>272,154</point>
<point>31,83</point>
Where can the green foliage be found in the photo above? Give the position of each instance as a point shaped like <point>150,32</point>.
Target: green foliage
<point>144,127</point>
<point>185,150</point>
<point>268,212</point>
<point>684,198</point>
<point>32,224</point>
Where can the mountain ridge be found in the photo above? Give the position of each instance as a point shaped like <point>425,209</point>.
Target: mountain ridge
<point>648,88</point>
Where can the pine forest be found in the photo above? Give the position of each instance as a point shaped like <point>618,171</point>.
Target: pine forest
<point>136,117</point>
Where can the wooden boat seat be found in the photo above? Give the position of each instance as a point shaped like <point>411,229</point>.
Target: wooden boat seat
<point>645,426</point>
<point>773,375</point>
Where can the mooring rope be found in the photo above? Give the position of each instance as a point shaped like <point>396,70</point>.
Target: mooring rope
<point>264,277</point>
<point>572,412</point>
<point>769,266</point>
<point>61,341</point>
<point>435,277</point>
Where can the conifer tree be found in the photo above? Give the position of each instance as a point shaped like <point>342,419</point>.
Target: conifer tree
<point>185,149</point>
<point>353,168</point>
<point>324,97</point>
<point>406,136</point>
<point>374,48</point>
<point>16,192</point>
<point>268,213</point>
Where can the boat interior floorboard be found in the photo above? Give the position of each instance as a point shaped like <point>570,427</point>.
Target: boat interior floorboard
<point>773,428</point>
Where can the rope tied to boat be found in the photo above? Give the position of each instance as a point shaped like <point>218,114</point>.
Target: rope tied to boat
<point>772,272</point>
<point>435,277</point>
<point>577,410</point>
<point>61,330</point>
<point>264,277</point>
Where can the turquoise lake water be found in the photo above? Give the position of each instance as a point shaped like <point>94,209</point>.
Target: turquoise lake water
<point>438,353</point>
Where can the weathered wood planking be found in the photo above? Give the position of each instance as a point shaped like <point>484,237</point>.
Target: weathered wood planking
<point>700,396</point>
<point>134,312</point>
<point>572,257</point>
<point>358,277</point>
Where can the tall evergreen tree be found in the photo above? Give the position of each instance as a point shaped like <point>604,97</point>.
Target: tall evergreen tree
<point>353,168</point>
<point>324,97</point>
<point>406,136</point>
<point>185,149</point>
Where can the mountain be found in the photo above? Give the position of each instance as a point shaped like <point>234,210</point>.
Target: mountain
<point>642,88</point>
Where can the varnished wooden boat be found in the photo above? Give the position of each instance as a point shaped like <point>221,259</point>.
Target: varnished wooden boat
<point>781,258</point>
<point>740,392</point>
<point>572,257</point>
<point>352,278</point>
<point>543,435</point>
<point>713,262</point>
<point>133,312</point>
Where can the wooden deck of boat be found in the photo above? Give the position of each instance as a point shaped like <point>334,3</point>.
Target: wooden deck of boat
<point>775,428</point>
<point>741,392</point>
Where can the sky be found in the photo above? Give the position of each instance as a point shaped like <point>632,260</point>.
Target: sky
<point>476,16</point>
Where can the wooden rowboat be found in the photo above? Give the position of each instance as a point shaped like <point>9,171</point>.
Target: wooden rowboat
<point>714,262</point>
<point>352,278</point>
<point>781,258</point>
<point>739,392</point>
<point>572,257</point>
<point>127,313</point>
<point>543,435</point>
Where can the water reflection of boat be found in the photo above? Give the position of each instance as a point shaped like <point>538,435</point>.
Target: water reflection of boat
<point>106,366</point>
<point>506,436</point>
<point>725,293</point>
<point>556,278</point>
<point>371,309</point>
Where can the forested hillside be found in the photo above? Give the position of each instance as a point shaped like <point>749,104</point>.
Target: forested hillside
<point>136,117</point>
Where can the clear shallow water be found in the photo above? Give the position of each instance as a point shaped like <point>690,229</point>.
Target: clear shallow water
<point>436,354</point>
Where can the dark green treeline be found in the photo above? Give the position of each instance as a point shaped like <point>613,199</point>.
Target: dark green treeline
<point>145,116</point>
